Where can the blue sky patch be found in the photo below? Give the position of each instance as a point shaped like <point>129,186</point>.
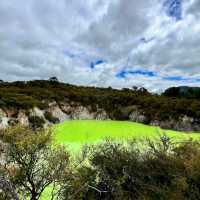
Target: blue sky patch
<point>173,8</point>
<point>125,73</point>
<point>181,78</point>
<point>175,78</point>
<point>95,63</point>
<point>197,80</point>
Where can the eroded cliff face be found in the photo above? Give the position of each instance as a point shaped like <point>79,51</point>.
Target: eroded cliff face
<point>64,111</point>
<point>182,123</point>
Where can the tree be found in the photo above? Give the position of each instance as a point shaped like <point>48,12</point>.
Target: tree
<point>172,92</point>
<point>35,163</point>
<point>143,90</point>
<point>135,88</point>
<point>53,79</point>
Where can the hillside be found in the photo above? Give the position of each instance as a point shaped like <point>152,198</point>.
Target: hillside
<point>183,92</point>
<point>41,102</point>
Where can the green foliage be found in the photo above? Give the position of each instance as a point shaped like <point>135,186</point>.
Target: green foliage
<point>53,79</point>
<point>162,170</point>
<point>39,93</point>
<point>183,92</point>
<point>32,164</point>
<point>36,122</point>
<point>140,170</point>
<point>51,118</point>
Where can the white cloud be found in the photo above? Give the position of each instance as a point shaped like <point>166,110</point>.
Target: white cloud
<point>39,39</point>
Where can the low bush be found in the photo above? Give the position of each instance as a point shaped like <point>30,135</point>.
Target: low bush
<point>162,171</point>
<point>31,164</point>
<point>137,170</point>
<point>36,122</point>
<point>51,118</point>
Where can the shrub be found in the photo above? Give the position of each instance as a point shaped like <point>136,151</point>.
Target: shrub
<point>31,164</point>
<point>51,118</point>
<point>36,122</point>
<point>163,170</point>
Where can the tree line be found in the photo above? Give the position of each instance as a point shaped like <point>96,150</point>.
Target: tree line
<point>117,103</point>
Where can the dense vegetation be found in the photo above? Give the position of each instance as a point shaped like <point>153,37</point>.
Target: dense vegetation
<point>118,103</point>
<point>30,163</point>
<point>183,92</point>
<point>163,171</point>
<point>112,171</point>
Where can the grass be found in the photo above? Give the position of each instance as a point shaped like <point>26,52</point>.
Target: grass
<point>76,133</point>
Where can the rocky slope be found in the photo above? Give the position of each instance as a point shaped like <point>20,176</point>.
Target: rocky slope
<point>60,112</point>
<point>39,103</point>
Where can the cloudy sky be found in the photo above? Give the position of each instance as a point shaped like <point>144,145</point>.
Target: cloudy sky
<point>118,43</point>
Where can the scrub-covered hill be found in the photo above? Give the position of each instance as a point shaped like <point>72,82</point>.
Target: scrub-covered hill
<point>183,92</point>
<point>41,102</point>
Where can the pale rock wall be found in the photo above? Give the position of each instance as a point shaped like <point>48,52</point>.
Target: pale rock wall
<point>137,116</point>
<point>81,113</point>
<point>72,110</point>
<point>3,119</point>
<point>56,112</point>
<point>23,118</point>
<point>63,111</point>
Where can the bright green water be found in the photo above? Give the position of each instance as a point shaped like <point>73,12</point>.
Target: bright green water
<point>78,132</point>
